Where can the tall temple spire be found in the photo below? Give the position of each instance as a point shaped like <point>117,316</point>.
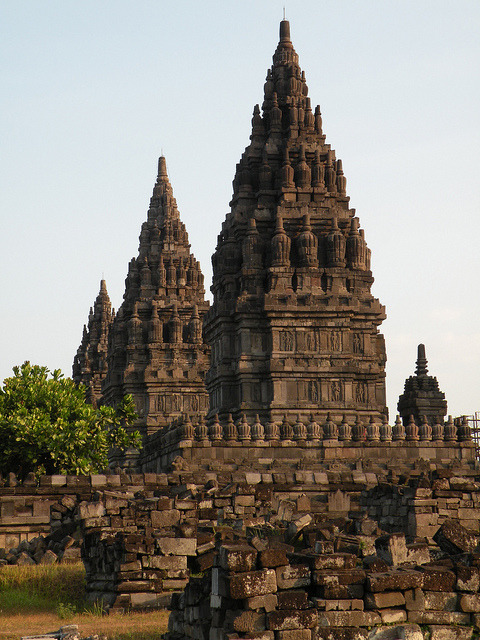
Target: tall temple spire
<point>90,363</point>
<point>293,314</point>
<point>162,365</point>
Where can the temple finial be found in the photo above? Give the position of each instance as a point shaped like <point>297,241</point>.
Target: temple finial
<point>162,167</point>
<point>422,362</point>
<point>284,30</point>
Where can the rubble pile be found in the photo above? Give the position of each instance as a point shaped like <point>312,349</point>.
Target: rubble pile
<point>328,582</point>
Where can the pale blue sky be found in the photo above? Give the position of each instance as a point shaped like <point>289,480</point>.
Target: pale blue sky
<point>92,91</point>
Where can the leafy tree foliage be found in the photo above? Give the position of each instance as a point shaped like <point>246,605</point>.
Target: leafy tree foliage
<point>47,427</point>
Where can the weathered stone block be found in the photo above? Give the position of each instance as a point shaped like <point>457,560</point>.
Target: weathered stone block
<point>335,561</point>
<point>415,600</point>
<point>453,538</point>
<point>438,632</point>
<point>384,600</point>
<point>468,578</point>
<point>254,583</point>
<point>438,578</point>
<point>271,558</point>
<point>441,601</point>
<point>341,633</point>
<point>292,599</point>
<point>169,563</point>
<point>88,510</point>
<point>348,618</point>
<point>268,602</point>
<point>398,632</point>
<point>418,553</point>
<point>238,558</point>
<point>438,617</point>
<point>166,518</point>
<point>177,546</point>
<point>344,605</point>
<point>293,576</point>
<point>392,548</point>
<point>294,634</point>
<point>393,616</point>
<point>470,602</point>
<point>339,577</point>
<point>49,557</point>
<point>336,591</point>
<point>245,621</point>
<point>292,619</point>
<point>395,580</point>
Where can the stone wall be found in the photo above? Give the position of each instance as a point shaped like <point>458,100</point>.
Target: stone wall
<point>263,447</point>
<point>144,534</point>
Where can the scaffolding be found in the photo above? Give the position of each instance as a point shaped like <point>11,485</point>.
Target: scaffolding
<point>474,424</point>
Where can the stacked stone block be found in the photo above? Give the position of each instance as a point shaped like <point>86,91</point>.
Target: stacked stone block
<point>136,548</point>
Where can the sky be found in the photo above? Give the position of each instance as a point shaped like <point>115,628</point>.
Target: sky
<point>93,92</point>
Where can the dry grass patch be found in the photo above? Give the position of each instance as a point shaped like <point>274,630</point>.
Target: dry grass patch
<point>38,599</point>
<point>132,626</point>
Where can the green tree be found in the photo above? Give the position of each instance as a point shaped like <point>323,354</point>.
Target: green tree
<point>47,427</point>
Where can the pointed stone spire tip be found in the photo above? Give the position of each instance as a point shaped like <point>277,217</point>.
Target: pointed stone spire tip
<point>422,361</point>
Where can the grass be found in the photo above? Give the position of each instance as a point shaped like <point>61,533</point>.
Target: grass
<point>39,599</point>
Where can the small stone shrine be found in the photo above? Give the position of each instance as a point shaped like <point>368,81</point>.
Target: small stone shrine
<point>422,398</point>
<point>156,351</point>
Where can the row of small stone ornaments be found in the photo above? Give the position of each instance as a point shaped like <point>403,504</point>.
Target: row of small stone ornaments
<point>185,430</point>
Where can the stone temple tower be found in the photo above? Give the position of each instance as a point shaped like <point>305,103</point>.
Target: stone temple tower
<point>90,363</point>
<point>156,350</point>
<point>294,326</point>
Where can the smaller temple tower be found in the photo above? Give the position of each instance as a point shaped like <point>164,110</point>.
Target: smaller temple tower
<point>156,350</point>
<point>90,363</point>
<point>421,396</point>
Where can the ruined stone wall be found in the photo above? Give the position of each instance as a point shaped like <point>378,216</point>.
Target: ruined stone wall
<point>270,590</point>
<point>144,534</point>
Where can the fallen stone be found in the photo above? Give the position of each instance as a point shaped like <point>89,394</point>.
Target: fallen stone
<point>392,548</point>
<point>453,538</point>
